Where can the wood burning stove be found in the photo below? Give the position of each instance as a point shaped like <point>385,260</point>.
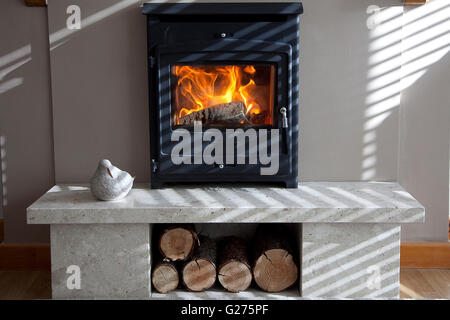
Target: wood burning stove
<point>223,92</point>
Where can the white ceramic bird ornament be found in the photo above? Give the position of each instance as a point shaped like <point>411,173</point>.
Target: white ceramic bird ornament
<point>110,183</point>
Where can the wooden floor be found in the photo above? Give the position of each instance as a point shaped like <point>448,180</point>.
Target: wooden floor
<point>425,283</point>
<point>414,283</point>
<point>27,285</point>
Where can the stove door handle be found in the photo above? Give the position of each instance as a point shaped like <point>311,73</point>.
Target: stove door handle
<point>284,119</point>
<point>284,126</point>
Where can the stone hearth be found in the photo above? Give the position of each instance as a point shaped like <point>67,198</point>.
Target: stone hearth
<point>347,232</point>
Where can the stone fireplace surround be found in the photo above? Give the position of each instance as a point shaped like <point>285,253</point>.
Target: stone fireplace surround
<point>347,232</point>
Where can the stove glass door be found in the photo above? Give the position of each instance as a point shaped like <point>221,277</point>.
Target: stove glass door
<point>223,95</point>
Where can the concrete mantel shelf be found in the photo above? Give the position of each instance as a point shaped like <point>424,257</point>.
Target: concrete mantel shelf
<point>312,202</point>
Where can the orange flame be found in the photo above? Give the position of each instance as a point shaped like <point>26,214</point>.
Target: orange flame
<point>200,87</point>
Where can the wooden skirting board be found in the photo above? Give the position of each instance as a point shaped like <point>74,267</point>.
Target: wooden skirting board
<point>27,256</point>
<point>36,3</point>
<point>414,2</point>
<point>432,255</point>
<point>2,234</point>
<point>423,255</point>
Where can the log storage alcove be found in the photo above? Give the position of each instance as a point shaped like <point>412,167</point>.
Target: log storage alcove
<point>342,234</point>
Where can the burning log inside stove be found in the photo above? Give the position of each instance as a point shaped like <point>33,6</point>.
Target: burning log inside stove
<point>232,112</point>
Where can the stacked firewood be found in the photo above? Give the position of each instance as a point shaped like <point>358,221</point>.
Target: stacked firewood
<point>196,262</point>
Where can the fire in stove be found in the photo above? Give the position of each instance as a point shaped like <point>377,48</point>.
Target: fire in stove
<point>223,95</point>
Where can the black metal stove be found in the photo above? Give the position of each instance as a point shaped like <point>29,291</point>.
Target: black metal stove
<point>223,92</point>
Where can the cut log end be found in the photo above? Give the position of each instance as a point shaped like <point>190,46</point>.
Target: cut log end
<point>275,270</point>
<point>165,278</point>
<point>199,275</point>
<point>177,244</point>
<point>235,276</point>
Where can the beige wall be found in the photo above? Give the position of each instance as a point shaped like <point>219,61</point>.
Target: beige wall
<point>333,92</point>
<point>25,116</point>
<point>424,149</point>
<point>349,124</point>
<point>99,89</point>
<point>340,137</point>
<point>424,131</point>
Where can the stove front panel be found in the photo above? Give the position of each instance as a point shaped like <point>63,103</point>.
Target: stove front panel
<point>226,73</point>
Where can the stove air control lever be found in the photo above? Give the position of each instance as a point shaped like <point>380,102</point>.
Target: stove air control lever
<point>224,35</point>
<point>284,119</point>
